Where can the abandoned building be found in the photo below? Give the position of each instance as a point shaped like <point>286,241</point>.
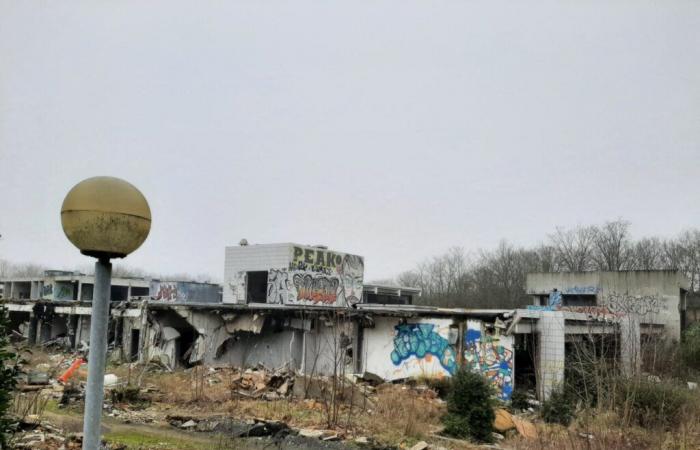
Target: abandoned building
<point>308,308</point>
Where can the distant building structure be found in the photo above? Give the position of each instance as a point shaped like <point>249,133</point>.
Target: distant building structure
<point>309,308</point>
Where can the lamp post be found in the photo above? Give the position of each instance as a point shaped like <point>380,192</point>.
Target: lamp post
<point>105,218</point>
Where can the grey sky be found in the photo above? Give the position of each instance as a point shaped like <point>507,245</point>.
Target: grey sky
<point>390,129</point>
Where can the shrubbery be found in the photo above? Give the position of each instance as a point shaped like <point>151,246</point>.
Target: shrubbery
<point>558,408</point>
<point>690,347</point>
<point>653,404</point>
<point>8,378</point>
<point>519,399</point>
<point>470,406</point>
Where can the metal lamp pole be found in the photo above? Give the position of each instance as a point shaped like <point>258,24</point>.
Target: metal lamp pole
<point>99,324</point>
<point>105,218</point>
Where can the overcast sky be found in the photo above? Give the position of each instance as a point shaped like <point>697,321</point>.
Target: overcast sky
<point>389,129</point>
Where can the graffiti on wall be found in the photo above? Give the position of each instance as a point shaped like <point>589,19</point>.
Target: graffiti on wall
<point>278,286</point>
<point>635,304</point>
<point>582,290</point>
<point>184,291</point>
<point>166,292</point>
<point>554,299</point>
<point>492,356</point>
<point>316,289</point>
<point>420,340</point>
<point>613,305</point>
<point>318,276</point>
<point>63,292</point>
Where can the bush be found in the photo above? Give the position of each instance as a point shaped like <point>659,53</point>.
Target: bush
<point>8,378</point>
<point>519,399</point>
<point>690,347</point>
<point>470,405</point>
<point>653,404</point>
<point>558,408</point>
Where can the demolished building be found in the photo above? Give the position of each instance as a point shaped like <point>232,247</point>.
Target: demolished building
<point>308,308</point>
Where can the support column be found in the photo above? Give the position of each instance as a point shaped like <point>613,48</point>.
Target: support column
<point>33,328</point>
<point>46,325</point>
<point>551,352</point>
<point>630,340</point>
<point>73,330</point>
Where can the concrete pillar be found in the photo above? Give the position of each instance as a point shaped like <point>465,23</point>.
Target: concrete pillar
<point>12,290</point>
<point>73,330</point>
<point>80,291</point>
<point>551,352</point>
<point>630,343</point>
<point>45,330</point>
<point>32,330</point>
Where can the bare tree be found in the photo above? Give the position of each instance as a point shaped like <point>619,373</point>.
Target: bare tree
<point>612,247</point>
<point>647,254</point>
<point>574,248</point>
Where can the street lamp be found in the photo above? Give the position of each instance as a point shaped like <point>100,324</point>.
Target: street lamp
<point>105,218</point>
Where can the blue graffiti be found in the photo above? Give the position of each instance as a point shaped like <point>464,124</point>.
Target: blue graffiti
<point>554,299</point>
<point>419,340</point>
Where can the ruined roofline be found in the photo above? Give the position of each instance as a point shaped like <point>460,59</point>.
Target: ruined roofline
<point>589,272</point>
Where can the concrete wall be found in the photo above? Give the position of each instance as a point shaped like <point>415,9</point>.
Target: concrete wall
<point>270,349</point>
<point>296,275</point>
<point>417,348</point>
<point>653,295</point>
<point>238,260</point>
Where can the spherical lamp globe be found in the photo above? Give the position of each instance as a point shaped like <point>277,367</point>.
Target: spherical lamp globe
<point>105,217</point>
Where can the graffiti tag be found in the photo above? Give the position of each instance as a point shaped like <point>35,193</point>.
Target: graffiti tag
<point>419,340</point>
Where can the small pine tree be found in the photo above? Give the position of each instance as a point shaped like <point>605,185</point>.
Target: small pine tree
<point>8,377</point>
<point>558,408</point>
<point>470,404</point>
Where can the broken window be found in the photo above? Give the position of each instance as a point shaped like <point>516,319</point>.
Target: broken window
<point>139,291</point>
<point>119,293</point>
<point>578,300</point>
<point>256,289</point>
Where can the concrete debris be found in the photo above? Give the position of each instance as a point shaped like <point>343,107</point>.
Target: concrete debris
<point>422,445</point>
<point>315,434</point>
<point>260,383</point>
<point>36,377</point>
<point>37,434</point>
<point>189,424</point>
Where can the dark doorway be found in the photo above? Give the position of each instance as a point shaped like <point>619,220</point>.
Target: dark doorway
<point>134,344</point>
<point>256,290</point>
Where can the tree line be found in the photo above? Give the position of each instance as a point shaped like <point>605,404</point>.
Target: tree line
<point>496,278</point>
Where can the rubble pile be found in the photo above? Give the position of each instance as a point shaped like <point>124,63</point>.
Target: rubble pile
<point>37,434</point>
<point>261,383</point>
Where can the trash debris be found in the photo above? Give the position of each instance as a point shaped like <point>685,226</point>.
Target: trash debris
<point>525,428</point>
<point>503,421</point>
<point>111,379</point>
<point>71,370</point>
